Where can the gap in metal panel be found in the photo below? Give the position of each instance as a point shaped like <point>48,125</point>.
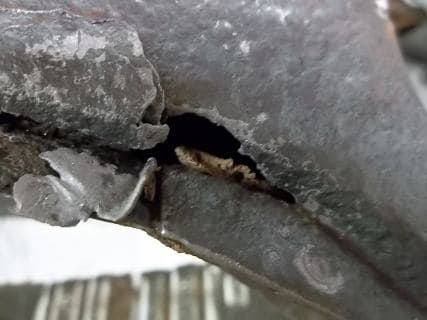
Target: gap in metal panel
<point>196,132</point>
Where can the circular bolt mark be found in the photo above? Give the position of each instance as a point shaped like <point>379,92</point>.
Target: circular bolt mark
<point>318,271</point>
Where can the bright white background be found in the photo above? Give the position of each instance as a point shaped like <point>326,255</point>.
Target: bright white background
<point>36,252</point>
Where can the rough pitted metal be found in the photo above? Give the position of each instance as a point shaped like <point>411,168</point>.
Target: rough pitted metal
<point>79,74</point>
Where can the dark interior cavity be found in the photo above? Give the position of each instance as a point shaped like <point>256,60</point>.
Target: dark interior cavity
<point>196,132</point>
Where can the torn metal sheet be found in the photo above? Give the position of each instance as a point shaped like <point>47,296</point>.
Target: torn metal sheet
<point>84,187</point>
<point>80,74</point>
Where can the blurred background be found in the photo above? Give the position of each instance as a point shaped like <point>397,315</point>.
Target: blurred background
<point>31,251</point>
<point>98,270</point>
<point>103,271</point>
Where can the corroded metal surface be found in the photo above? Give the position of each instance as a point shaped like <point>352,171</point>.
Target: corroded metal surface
<point>89,76</point>
<point>84,187</point>
<point>304,91</point>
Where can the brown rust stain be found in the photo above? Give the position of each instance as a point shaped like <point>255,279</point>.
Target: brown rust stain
<point>219,167</point>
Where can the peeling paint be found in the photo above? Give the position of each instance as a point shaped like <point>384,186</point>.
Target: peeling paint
<point>223,23</point>
<point>279,12</point>
<point>133,38</point>
<point>77,44</point>
<point>20,11</point>
<point>245,47</point>
<point>261,117</point>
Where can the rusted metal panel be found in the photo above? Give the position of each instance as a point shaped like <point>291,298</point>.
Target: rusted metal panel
<point>303,90</point>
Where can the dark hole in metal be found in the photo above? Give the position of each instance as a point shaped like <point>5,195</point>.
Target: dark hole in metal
<point>196,132</point>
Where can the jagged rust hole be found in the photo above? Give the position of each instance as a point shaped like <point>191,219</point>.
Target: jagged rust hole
<point>196,132</point>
